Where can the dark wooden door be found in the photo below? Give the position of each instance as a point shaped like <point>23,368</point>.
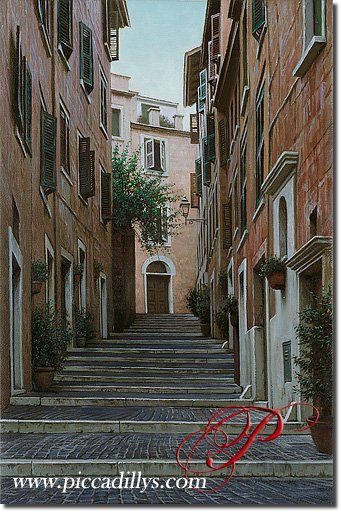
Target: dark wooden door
<point>157,294</point>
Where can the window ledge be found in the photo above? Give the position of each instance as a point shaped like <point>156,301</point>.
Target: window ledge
<point>260,42</point>
<point>66,175</point>
<point>45,200</point>
<point>46,40</point>
<point>84,201</point>
<point>85,91</point>
<point>21,142</point>
<point>63,58</point>
<point>243,239</point>
<point>118,138</point>
<point>258,209</point>
<point>309,55</point>
<point>245,97</point>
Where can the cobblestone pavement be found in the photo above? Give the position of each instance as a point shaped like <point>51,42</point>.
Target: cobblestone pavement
<point>142,446</point>
<point>239,491</point>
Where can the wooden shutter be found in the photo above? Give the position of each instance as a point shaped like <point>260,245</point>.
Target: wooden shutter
<point>215,35</point>
<point>65,17</point>
<point>114,35</point>
<point>86,168</point>
<point>212,67</point>
<point>194,129</point>
<point>163,155</point>
<point>149,154</point>
<point>258,16</point>
<point>19,82</point>
<point>194,196</point>
<point>222,142</point>
<point>86,56</point>
<point>106,211</point>
<point>28,107</point>
<point>210,138</point>
<point>203,85</point>
<point>198,177</point>
<point>48,152</point>
<point>207,164</point>
<point>227,225</point>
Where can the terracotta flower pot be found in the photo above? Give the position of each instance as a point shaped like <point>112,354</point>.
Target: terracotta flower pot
<point>322,433</point>
<point>43,377</point>
<point>77,278</point>
<point>205,329</point>
<point>277,280</point>
<point>36,287</point>
<point>81,342</point>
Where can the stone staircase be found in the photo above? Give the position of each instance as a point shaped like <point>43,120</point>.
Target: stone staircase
<point>126,403</point>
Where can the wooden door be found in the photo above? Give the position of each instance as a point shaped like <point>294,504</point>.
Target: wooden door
<point>157,294</point>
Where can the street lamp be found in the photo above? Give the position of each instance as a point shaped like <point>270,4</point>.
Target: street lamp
<point>184,208</point>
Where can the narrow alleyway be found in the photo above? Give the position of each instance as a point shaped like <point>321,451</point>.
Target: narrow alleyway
<point>126,403</point>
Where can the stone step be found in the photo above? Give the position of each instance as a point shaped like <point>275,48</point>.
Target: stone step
<point>147,380</point>
<point>156,335</point>
<point>80,426</point>
<point>78,399</point>
<point>153,389</point>
<point>157,343</point>
<point>118,369</point>
<point>155,359</point>
<point>141,351</point>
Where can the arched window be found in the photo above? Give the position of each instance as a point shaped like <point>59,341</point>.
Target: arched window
<point>283,228</point>
<point>156,267</point>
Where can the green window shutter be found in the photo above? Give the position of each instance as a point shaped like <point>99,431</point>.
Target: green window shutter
<point>65,18</point>
<point>28,108</point>
<point>207,164</point>
<point>258,16</point>
<point>201,103</point>
<point>86,169</point>
<point>194,129</point>
<point>19,82</point>
<point>106,211</point>
<point>222,142</point>
<point>202,85</point>
<point>210,138</point>
<point>227,225</point>
<point>198,177</point>
<point>48,152</point>
<point>86,56</point>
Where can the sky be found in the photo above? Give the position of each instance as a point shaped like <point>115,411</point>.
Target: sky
<point>152,49</point>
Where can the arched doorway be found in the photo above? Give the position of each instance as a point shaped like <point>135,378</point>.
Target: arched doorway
<point>158,281</point>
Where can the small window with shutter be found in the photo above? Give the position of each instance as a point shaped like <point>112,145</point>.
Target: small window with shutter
<point>86,168</point>
<point>44,13</point>
<point>106,210</point>
<point>227,225</point>
<point>111,30</point>
<point>194,195</point>
<point>86,57</point>
<point>64,140</point>
<point>198,177</point>
<point>48,179</point>
<point>65,27</point>
<point>116,122</point>
<point>207,164</point>
<point>202,90</point>
<point>222,142</point>
<point>103,102</point>
<point>19,75</point>
<point>258,17</point>
<point>210,138</point>
<point>194,129</point>
<point>23,99</point>
<point>155,155</point>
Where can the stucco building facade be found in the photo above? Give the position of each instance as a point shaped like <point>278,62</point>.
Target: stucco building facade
<point>262,83</point>
<point>55,161</point>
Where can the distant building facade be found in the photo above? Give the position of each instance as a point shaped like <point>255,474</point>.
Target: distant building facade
<point>262,85</point>
<point>56,163</point>
<point>162,280</point>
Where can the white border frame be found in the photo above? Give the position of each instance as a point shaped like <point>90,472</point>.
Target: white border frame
<point>171,271</point>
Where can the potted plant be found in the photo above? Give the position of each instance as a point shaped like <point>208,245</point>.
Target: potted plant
<point>78,272</point>
<point>191,300</point>
<point>228,308</point>
<point>275,271</point>
<point>39,273</point>
<point>315,366</point>
<point>98,268</point>
<point>80,327</point>
<point>49,342</point>
<point>203,310</point>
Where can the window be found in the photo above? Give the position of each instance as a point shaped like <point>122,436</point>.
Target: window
<point>227,224</point>
<point>111,30</point>
<point>243,169</point>
<point>206,163</point>
<point>65,26</point>
<point>258,17</point>
<point>116,122</point>
<point>86,168</point>
<point>194,195</point>
<point>103,102</point>
<point>23,96</point>
<point>64,140</point>
<point>106,213</point>
<point>314,33</point>
<point>86,57</point>
<point>283,227</point>
<point>235,210</point>
<point>155,154</point>
<point>44,14</point>
<point>160,228</point>
<point>313,222</point>
<point>259,143</point>
<point>222,142</point>
<point>210,138</point>
<point>245,53</point>
<point>144,117</point>
<point>202,90</point>
<point>48,125</point>
<point>198,177</point>
<point>194,128</point>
